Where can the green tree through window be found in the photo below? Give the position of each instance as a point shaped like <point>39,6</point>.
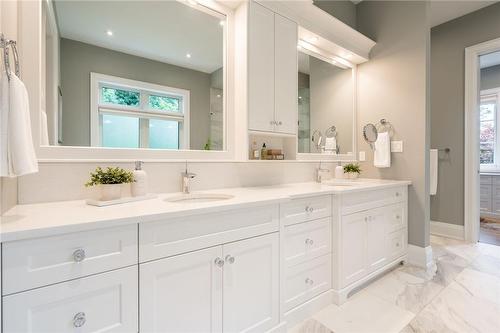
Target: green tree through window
<point>122,97</point>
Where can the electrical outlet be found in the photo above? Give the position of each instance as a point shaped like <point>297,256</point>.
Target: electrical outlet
<point>362,156</point>
<point>396,146</point>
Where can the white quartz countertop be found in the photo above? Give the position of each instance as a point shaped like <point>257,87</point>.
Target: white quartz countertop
<point>46,219</point>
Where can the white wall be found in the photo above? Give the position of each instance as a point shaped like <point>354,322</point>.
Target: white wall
<point>394,85</point>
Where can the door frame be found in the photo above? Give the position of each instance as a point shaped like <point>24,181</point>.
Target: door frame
<point>471,151</point>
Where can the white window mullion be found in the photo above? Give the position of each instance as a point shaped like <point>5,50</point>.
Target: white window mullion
<point>143,132</point>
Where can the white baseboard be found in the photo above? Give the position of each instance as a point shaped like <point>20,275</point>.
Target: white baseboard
<point>420,256</point>
<point>297,315</point>
<point>447,230</point>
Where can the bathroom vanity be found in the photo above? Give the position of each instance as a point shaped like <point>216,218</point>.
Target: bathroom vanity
<point>265,259</point>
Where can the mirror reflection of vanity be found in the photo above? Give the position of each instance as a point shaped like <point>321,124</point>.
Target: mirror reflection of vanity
<point>325,105</point>
<point>133,74</point>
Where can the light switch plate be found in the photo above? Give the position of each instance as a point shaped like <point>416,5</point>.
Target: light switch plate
<point>362,156</point>
<point>396,146</point>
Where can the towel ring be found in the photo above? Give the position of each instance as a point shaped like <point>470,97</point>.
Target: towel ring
<point>384,126</point>
<point>331,132</point>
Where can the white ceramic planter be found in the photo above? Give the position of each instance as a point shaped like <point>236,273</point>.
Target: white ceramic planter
<point>352,175</point>
<point>111,191</point>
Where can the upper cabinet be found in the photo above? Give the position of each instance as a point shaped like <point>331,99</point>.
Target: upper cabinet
<point>272,67</point>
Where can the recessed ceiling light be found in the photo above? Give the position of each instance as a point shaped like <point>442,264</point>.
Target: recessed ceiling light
<point>188,55</point>
<point>109,33</point>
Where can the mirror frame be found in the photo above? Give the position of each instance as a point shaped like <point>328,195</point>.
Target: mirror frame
<point>30,54</point>
<point>335,157</point>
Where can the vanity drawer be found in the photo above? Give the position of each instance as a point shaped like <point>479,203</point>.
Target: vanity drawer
<point>38,262</point>
<point>104,302</point>
<point>173,236</point>
<point>306,209</point>
<point>396,217</point>
<point>307,280</point>
<point>363,200</point>
<point>308,240</point>
<point>397,243</point>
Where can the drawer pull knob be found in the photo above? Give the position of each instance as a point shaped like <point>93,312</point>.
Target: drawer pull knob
<point>309,241</point>
<point>279,123</point>
<point>309,281</point>
<point>79,255</point>
<point>397,194</point>
<point>79,319</point>
<point>397,244</point>
<point>219,262</point>
<point>309,209</point>
<point>398,217</point>
<point>230,259</point>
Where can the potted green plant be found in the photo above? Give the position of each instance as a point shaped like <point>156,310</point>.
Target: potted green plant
<point>352,170</point>
<point>110,181</point>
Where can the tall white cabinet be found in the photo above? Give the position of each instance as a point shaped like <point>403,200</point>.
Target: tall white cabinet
<point>272,71</point>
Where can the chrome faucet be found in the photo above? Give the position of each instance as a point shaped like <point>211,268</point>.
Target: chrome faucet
<point>186,178</point>
<point>319,170</point>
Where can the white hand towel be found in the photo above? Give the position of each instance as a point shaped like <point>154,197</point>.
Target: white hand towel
<point>433,160</point>
<point>19,158</point>
<point>331,144</point>
<point>382,153</point>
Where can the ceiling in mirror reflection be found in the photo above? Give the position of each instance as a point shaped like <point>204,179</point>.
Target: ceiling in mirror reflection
<point>166,31</point>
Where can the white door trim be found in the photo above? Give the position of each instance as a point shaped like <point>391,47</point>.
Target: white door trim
<point>471,151</point>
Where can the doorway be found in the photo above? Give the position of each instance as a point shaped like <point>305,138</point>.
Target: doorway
<point>482,143</point>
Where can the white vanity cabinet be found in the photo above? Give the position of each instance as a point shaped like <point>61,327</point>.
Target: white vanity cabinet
<point>211,273</point>
<point>272,71</point>
<point>372,233</point>
<point>232,288</point>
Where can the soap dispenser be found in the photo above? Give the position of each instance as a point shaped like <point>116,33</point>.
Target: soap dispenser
<point>140,186</point>
<point>339,171</point>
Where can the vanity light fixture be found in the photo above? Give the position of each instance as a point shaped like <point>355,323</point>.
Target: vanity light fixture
<point>109,33</point>
<point>188,55</point>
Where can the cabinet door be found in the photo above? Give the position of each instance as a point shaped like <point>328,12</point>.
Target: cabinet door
<point>102,303</point>
<point>251,284</point>
<point>182,293</point>
<point>285,78</point>
<point>354,238</point>
<point>376,241</point>
<point>260,68</point>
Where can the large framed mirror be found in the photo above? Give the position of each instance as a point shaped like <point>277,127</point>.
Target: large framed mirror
<point>142,75</point>
<point>326,107</point>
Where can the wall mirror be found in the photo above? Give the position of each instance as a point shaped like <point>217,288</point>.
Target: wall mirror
<point>325,105</point>
<point>133,74</point>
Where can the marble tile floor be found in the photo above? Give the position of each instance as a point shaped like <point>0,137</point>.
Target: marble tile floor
<point>461,293</point>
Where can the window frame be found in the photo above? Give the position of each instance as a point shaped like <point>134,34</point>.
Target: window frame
<point>489,94</point>
<point>145,89</point>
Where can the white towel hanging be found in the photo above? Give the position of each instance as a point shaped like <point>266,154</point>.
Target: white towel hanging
<point>19,157</point>
<point>382,153</point>
<point>433,160</point>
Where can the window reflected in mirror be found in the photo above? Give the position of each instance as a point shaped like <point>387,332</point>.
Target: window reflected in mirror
<point>325,106</point>
<point>133,74</point>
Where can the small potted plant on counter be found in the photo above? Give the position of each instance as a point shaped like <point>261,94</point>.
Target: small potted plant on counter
<point>110,181</point>
<point>352,170</point>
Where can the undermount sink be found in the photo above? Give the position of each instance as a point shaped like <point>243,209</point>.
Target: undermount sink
<point>199,197</point>
<point>342,183</point>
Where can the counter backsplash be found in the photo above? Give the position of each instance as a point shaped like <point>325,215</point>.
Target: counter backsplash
<point>64,181</point>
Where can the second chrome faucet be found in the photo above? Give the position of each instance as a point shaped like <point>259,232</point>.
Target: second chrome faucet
<point>186,180</point>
